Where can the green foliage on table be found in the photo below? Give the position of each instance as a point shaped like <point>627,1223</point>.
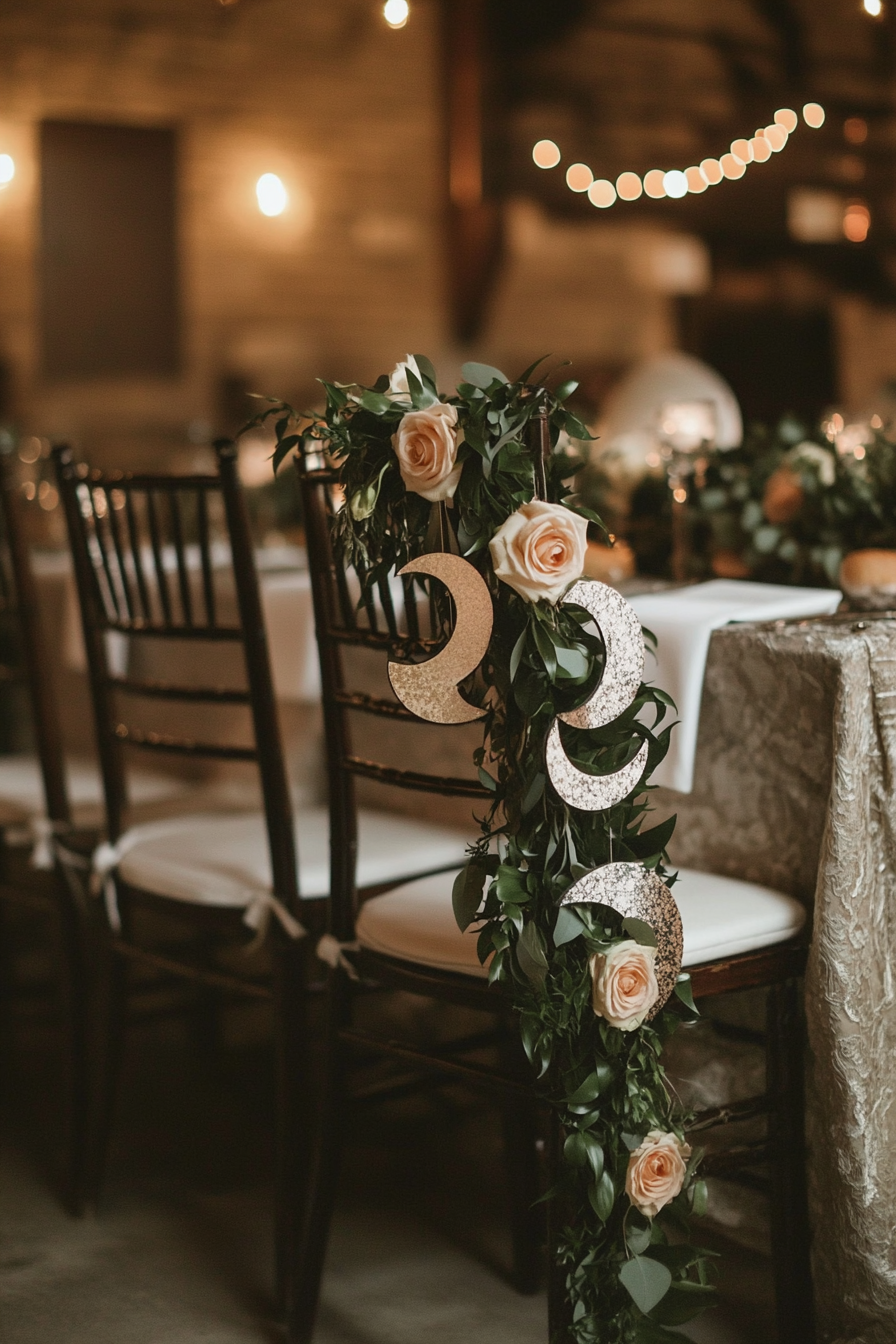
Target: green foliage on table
<point>629,1277</point>
<point>846,501</point>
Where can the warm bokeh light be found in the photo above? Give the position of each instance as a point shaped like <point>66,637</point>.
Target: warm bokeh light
<point>856,222</point>
<point>7,169</point>
<point>628,186</point>
<point>873,7</point>
<point>272,195</point>
<point>676,184</point>
<point>712,171</point>
<point>762,150</point>
<point>743,150</point>
<point>579,177</point>
<point>653,184</point>
<point>696,181</point>
<point>602,193</point>
<point>679,494</point>
<point>776,136</point>
<point>546,154</point>
<point>813,115</point>
<point>396,13</point>
<point>732,167</point>
<point>786,117</point>
<point>855,130</point>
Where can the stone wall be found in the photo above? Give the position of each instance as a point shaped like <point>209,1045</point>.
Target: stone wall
<point>347,112</point>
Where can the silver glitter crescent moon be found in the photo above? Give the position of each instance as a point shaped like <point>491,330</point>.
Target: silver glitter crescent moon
<point>637,892</point>
<point>624,643</point>
<point>429,689</point>
<point>589,793</point>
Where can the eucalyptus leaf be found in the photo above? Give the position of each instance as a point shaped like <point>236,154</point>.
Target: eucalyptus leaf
<point>533,794</point>
<point>640,931</point>
<point>602,1197</point>
<point>646,1280</point>
<point>482,375</point>
<point>466,894</point>
<point>684,991</point>
<point>567,927</point>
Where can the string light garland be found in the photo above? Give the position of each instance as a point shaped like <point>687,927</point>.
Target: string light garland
<point>677,183</point>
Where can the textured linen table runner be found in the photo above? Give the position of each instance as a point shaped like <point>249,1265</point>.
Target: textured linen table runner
<point>683,620</point>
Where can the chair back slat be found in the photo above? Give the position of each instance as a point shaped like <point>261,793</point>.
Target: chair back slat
<point>386,618</point>
<point>29,662</point>
<point>161,578</point>
<point>177,537</point>
<point>208,585</point>
<point>137,552</point>
<point>152,575</point>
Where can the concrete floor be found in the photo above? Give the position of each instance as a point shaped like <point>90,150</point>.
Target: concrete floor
<point>180,1252</point>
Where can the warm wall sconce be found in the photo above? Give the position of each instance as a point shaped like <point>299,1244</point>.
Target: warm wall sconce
<point>272,195</point>
<point>7,170</point>
<point>396,13</point>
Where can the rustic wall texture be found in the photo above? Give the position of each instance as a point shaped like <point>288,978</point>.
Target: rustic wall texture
<point>347,112</point>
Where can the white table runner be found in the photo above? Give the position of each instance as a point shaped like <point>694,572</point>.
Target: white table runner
<point>683,620</point>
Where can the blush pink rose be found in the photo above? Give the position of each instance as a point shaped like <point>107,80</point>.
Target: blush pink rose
<point>540,550</point>
<point>426,448</point>
<point>656,1171</point>
<point>623,984</point>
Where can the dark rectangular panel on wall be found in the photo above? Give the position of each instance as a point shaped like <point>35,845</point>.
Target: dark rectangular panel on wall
<point>109,255</point>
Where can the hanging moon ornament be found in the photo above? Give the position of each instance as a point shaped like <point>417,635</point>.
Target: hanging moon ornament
<point>586,792</point>
<point>623,670</point>
<point>624,643</point>
<point>429,689</point>
<point>639,893</point>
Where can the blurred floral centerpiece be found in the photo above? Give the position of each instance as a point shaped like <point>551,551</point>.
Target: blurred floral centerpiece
<point>814,507</point>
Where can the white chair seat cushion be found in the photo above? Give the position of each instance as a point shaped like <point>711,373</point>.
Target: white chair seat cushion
<point>22,790</point>
<point>223,860</point>
<point>722,917</point>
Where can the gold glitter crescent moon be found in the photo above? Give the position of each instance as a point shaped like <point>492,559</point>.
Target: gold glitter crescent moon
<point>429,689</point>
<point>624,642</point>
<point>637,892</point>
<point>589,793</point>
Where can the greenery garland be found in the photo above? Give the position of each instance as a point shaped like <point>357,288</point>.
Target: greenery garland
<point>629,1276</point>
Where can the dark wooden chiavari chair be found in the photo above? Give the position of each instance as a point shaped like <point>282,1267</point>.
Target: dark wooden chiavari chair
<point>53,888</point>
<point>737,937</point>
<point>159,560</point>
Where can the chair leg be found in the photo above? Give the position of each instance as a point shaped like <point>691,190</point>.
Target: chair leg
<point>519,1120</point>
<point>109,1051</point>
<point>292,1137</point>
<point>789,1203</point>
<point>326,1103</point>
<point>76,1002</point>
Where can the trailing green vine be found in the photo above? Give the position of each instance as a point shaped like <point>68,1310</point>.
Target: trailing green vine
<point>629,1181</point>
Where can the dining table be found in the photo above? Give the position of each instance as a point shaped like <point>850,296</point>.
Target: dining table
<point>793,787</point>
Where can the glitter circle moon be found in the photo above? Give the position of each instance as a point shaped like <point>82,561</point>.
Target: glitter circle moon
<point>589,793</point>
<point>429,689</point>
<point>624,643</point>
<point>635,891</point>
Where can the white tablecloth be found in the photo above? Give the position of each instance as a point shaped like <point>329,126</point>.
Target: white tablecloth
<point>288,614</point>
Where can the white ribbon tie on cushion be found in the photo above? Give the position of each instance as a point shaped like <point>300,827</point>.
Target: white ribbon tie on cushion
<point>330,950</point>
<point>43,833</point>
<point>107,857</point>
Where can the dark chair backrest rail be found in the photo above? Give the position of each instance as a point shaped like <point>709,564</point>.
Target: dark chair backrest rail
<point>154,556</point>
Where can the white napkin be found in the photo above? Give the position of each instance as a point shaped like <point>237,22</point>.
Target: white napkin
<point>683,620</point>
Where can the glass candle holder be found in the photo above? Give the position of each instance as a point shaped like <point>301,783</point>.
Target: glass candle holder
<point>686,431</point>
